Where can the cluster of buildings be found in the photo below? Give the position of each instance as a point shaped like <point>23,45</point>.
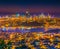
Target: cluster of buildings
<point>29,21</point>
<point>28,40</point>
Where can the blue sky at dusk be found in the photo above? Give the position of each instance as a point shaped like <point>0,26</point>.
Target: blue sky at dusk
<point>34,6</point>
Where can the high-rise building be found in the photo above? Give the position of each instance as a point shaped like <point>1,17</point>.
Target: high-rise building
<point>49,16</point>
<point>17,14</point>
<point>27,14</point>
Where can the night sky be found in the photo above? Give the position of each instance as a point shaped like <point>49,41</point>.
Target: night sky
<point>34,6</point>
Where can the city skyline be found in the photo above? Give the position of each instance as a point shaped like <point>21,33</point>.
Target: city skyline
<point>34,6</point>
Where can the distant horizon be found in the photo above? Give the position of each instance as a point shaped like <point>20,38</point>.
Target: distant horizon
<point>34,6</point>
<point>52,14</point>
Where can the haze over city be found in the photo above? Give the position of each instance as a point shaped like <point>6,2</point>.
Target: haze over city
<point>34,6</point>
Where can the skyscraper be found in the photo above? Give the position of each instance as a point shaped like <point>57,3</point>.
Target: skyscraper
<point>27,14</point>
<point>17,14</point>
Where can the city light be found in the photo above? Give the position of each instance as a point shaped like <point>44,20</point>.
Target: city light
<point>30,31</point>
